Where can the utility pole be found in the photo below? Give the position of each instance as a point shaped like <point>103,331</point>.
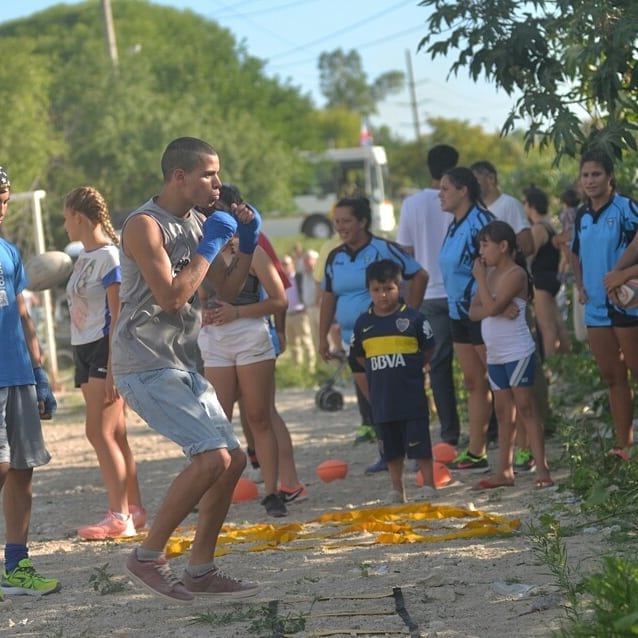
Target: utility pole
<point>109,33</point>
<point>413,102</point>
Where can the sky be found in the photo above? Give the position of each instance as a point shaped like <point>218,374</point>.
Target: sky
<point>291,34</point>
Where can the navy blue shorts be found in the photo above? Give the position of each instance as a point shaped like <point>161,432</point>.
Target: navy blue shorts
<point>409,438</point>
<point>514,374</point>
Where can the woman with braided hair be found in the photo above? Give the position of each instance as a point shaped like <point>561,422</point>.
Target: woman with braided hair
<point>94,302</point>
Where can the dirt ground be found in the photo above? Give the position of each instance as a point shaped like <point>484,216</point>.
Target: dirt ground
<point>487,586</point>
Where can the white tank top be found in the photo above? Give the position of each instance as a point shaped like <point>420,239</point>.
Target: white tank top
<point>505,339</point>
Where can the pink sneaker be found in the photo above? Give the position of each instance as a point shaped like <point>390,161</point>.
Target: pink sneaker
<point>217,584</point>
<point>158,577</point>
<point>139,516</point>
<point>109,527</point>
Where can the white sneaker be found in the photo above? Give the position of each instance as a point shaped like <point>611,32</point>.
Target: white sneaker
<point>254,474</point>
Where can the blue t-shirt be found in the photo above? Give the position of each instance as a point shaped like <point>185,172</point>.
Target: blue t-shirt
<point>600,238</point>
<point>345,277</point>
<point>393,348</point>
<point>15,362</point>
<point>460,249</point>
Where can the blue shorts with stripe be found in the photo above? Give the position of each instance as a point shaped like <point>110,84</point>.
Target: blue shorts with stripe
<point>514,374</point>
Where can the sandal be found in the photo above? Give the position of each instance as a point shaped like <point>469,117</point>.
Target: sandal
<point>487,484</point>
<point>620,454</point>
<point>542,483</point>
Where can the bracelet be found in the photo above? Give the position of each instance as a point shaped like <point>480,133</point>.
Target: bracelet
<point>236,312</point>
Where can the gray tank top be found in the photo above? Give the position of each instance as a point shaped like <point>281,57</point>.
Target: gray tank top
<point>146,338</point>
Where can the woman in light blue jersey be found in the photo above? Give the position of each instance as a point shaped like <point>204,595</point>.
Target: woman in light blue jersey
<point>459,195</point>
<point>605,226</point>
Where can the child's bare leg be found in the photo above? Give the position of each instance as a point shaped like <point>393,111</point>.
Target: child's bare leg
<point>527,408</point>
<point>395,469</point>
<point>426,466</point>
<point>504,405</point>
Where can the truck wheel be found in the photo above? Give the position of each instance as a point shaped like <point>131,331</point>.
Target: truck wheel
<point>317,226</point>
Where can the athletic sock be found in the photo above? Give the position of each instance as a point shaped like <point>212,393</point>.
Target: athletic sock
<point>120,516</point>
<point>200,570</point>
<point>13,554</point>
<point>147,554</point>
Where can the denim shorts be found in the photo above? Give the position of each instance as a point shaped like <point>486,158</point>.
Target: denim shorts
<point>180,405</point>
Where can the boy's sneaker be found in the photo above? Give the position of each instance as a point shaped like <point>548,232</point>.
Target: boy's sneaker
<point>217,584</point>
<point>25,581</point>
<point>109,527</point>
<point>275,505</point>
<point>290,494</point>
<point>524,461</point>
<point>377,466</point>
<point>467,461</point>
<point>365,434</point>
<point>254,474</point>
<point>139,516</point>
<point>158,577</point>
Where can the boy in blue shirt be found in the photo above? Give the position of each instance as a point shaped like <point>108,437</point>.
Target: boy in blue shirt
<point>394,342</point>
<point>25,398</point>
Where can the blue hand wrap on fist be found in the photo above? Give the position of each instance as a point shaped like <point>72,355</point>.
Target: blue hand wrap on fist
<point>218,230</point>
<point>44,394</point>
<point>249,233</point>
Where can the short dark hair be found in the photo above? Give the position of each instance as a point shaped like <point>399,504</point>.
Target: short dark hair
<point>570,197</point>
<point>441,158</point>
<point>537,199</point>
<point>382,271</point>
<point>184,153</point>
<point>483,166</point>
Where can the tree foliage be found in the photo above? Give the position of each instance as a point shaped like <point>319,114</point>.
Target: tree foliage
<point>574,64</point>
<point>344,83</point>
<point>68,119</point>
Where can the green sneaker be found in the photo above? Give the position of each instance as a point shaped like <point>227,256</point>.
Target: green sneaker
<point>25,581</point>
<point>467,461</point>
<point>524,461</point>
<point>365,434</point>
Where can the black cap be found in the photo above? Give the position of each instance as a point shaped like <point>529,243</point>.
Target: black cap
<point>5,183</point>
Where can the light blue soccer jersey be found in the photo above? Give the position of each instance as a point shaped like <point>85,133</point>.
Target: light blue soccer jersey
<point>600,238</point>
<point>345,277</point>
<point>15,362</point>
<point>460,249</point>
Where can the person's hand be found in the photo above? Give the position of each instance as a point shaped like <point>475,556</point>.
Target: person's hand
<point>111,393</point>
<point>479,268</point>
<point>614,279</point>
<point>282,342</point>
<point>583,297</point>
<point>47,405</point>
<point>224,313</point>
<point>248,228</point>
<point>512,311</point>
<point>217,230</point>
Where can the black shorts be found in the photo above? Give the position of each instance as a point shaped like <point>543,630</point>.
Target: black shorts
<point>466,331</point>
<point>406,438</point>
<point>91,360</point>
<point>547,281</point>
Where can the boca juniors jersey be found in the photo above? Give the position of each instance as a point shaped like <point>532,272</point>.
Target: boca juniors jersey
<point>393,348</point>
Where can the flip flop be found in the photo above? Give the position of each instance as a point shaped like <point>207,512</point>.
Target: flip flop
<point>541,484</point>
<point>487,484</point>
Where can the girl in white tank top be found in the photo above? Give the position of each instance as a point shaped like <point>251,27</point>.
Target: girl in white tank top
<point>500,302</point>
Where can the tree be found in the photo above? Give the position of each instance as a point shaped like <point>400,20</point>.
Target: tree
<point>574,63</point>
<point>344,83</point>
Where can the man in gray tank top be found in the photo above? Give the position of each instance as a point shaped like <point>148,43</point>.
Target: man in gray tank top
<point>168,250</point>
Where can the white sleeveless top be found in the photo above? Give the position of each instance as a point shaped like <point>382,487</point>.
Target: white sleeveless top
<point>505,339</point>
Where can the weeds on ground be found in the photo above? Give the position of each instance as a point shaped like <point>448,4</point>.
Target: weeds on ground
<point>263,621</point>
<point>103,583</point>
<point>605,602</point>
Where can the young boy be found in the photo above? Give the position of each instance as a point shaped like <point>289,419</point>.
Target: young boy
<point>395,342</point>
